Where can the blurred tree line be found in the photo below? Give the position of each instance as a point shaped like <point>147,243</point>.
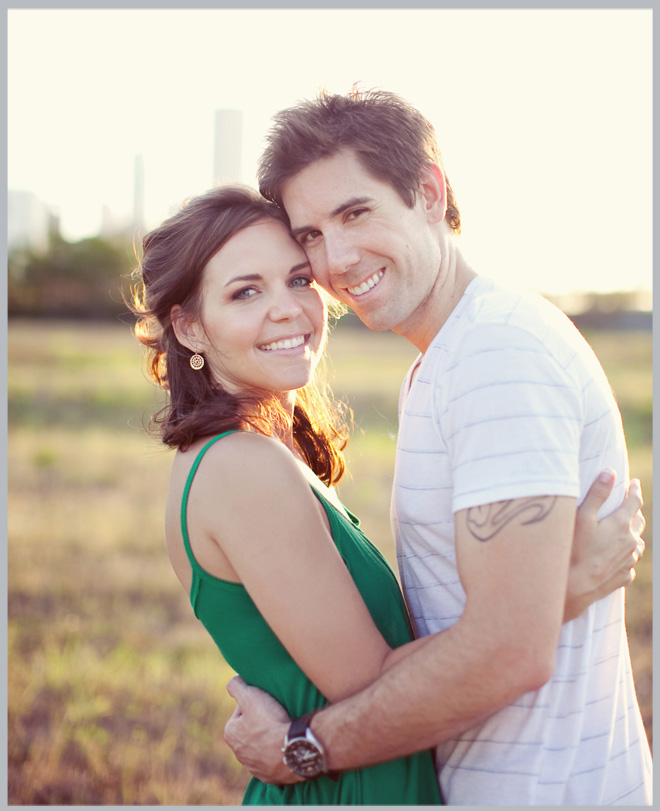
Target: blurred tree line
<point>85,280</point>
<point>80,280</point>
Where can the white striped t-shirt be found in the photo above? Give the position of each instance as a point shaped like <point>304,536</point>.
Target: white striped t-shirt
<point>509,401</point>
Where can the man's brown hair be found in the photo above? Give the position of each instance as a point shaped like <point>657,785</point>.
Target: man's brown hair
<point>392,139</point>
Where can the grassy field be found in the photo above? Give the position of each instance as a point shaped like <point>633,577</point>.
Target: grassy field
<point>115,692</point>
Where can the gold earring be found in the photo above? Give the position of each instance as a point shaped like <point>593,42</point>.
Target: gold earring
<point>197,361</point>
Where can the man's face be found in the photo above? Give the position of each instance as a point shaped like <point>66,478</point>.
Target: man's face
<point>365,246</point>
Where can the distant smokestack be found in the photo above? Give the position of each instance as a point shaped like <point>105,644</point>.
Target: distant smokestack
<point>108,224</point>
<point>228,146</point>
<point>138,196</point>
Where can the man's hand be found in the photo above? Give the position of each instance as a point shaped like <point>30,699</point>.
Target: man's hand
<point>255,732</point>
<point>604,553</point>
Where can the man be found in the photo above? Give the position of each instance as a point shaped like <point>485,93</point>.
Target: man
<point>505,420</point>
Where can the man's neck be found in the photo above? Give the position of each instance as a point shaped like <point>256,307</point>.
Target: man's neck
<point>452,280</point>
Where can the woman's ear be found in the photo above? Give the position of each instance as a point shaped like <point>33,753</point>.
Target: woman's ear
<point>433,193</point>
<point>186,328</point>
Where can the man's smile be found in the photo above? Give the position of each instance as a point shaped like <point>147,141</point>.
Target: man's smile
<point>372,281</point>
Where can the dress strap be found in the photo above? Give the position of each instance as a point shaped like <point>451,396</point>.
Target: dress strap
<point>186,493</point>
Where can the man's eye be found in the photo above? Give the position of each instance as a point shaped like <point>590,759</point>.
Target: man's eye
<point>355,213</point>
<point>309,237</point>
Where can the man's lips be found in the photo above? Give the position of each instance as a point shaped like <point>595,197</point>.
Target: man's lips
<point>368,284</point>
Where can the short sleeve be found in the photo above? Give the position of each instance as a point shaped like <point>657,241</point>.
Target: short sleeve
<point>511,416</point>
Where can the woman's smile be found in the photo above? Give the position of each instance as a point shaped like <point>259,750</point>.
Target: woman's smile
<point>285,343</point>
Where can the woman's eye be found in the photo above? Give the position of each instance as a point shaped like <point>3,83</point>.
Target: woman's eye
<point>245,293</point>
<point>301,281</point>
<point>355,213</point>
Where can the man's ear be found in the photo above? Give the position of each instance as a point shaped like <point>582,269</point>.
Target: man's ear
<point>187,329</point>
<point>433,193</point>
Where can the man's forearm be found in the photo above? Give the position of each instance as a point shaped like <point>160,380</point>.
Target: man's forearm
<point>437,692</point>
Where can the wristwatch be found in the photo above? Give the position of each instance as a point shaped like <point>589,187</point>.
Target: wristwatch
<point>303,753</point>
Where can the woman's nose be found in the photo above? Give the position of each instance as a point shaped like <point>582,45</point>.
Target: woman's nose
<point>285,306</point>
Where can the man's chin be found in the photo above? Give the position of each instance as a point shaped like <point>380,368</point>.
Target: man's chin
<point>374,322</point>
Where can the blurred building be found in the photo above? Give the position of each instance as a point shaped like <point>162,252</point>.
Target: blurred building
<point>30,222</point>
<point>622,310</point>
<point>580,302</point>
<point>227,146</point>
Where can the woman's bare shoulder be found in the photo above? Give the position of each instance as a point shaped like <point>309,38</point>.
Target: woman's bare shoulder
<point>228,449</point>
<point>246,464</point>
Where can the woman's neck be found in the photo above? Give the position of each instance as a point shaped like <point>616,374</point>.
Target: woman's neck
<point>284,432</point>
<point>276,417</point>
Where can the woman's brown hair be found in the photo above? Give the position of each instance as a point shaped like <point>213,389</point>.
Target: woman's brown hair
<point>171,273</point>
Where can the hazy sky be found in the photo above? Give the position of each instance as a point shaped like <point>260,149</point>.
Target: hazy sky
<point>544,117</point>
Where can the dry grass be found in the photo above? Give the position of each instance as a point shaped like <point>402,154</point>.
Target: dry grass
<point>116,694</point>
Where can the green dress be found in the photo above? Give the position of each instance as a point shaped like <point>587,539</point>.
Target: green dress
<point>250,647</point>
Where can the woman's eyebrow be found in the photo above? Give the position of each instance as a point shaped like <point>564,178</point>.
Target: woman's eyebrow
<point>249,277</point>
<point>300,266</point>
<point>255,277</point>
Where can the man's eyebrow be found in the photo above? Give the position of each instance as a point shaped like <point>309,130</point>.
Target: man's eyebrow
<point>354,201</point>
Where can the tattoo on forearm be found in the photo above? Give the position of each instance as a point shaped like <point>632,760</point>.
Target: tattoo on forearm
<point>485,522</point>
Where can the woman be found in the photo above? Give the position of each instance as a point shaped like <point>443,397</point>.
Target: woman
<point>297,599</point>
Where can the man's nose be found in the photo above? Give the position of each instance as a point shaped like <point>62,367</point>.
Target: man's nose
<point>341,254</point>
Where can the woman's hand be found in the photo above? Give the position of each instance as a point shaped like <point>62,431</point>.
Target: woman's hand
<point>604,553</point>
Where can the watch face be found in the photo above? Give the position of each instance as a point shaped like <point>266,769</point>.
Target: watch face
<point>303,758</point>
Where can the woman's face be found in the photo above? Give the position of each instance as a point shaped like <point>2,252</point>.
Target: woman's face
<point>263,322</point>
